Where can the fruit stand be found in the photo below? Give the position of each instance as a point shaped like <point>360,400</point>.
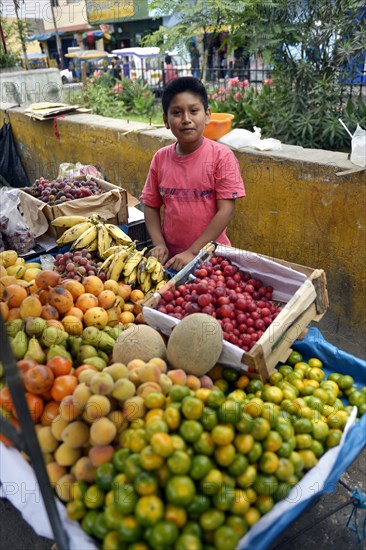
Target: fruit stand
<point>197,410</point>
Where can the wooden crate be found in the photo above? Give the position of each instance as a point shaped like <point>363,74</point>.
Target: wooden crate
<point>110,205</point>
<point>302,291</point>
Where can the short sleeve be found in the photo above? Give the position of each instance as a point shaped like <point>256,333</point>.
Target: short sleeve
<point>150,194</point>
<point>228,181</point>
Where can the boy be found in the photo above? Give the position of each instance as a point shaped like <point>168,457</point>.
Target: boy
<point>196,180</point>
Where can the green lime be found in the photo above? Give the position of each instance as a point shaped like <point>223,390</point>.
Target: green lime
<point>215,399</point>
<point>125,498</point>
<point>180,490</point>
<point>100,529</point>
<point>104,476</point>
<point>178,393</point>
<point>238,465</point>
<point>201,466</point>
<point>119,459</point>
<point>188,541</point>
<point>199,505</point>
<point>179,462</point>
<point>293,358</point>
<point>163,535</point>
<point>191,430</point>
<point>192,408</point>
<point>129,529</point>
<point>212,519</point>
<point>149,510</point>
<point>94,497</point>
<point>88,521</point>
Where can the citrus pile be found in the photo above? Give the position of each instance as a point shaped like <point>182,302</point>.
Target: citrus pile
<point>201,467</point>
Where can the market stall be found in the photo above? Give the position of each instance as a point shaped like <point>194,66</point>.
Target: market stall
<point>167,410</point>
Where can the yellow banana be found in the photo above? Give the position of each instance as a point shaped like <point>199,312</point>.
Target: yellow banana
<point>160,284</point>
<point>151,263</point>
<point>104,239</point>
<point>133,261</point>
<point>68,221</point>
<point>93,245</point>
<point>158,274</point>
<point>113,249</point>
<point>146,285</point>
<point>142,274</point>
<point>118,235</point>
<point>131,279</point>
<point>117,265</point>
<point>74,233</point>
<point>105,265</point>
<point>86,238</point>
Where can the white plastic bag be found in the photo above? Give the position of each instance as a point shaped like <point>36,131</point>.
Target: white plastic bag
<point>69,170</point>
<point>240,138</point>
<point>358,154</point>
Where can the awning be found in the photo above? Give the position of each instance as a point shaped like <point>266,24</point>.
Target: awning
<point>42,37</point>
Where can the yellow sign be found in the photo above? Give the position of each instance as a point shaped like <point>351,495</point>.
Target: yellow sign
<point>102,11</point>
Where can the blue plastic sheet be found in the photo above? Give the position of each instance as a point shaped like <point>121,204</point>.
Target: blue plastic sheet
<point>334,360</point>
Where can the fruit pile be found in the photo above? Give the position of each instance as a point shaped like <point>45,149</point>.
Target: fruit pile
<point>121,259</point>
<point>243,305</point>
<point>62,189</point>
<point>147,456</point>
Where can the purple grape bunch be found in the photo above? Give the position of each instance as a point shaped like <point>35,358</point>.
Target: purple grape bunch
<point>62,190</point>
<point>76,265</point>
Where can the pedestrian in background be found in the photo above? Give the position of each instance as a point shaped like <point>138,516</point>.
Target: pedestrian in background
<point>116,69</point>
<point>169,70</point>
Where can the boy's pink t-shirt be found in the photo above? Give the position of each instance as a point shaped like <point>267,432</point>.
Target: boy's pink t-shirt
<point>188,187</point>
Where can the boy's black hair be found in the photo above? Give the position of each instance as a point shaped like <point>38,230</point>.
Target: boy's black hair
<point>168,59</point>
<point>180,85</point>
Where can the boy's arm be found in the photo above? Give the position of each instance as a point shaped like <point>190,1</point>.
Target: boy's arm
<point>225,211</point>
<point>153,224</point>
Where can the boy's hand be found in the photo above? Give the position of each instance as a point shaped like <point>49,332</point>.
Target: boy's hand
<point>160,252</point>
<point>178,261</point>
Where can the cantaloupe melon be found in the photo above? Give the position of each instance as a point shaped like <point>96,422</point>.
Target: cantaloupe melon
<point>195,344</point>
<point>138,342</point>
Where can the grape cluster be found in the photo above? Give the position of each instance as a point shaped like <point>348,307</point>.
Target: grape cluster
<point>76,265</point>
<point>62,190</point>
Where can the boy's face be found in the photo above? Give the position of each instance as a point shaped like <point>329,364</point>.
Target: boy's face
<point>187,118</point>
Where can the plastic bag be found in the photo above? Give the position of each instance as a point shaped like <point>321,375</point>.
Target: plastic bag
<point>358,154</point>
<point>69,170</point>
<point>240,138</point>
<point>11,168</point>
<point>18,235</point>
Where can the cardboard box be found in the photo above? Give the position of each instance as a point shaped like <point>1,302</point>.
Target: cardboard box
<point>110,205</point>
<point>302,291</point>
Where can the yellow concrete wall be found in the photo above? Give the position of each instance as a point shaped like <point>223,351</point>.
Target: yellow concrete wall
<point>296,208</point>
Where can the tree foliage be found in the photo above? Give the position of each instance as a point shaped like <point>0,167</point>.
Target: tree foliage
<point>316,49</point>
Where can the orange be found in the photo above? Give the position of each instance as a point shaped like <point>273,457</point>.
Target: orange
<point>136,295</point>
<point>63,385</point>
<point>127,317</point>
<point>59,365</point>
<point>38,379</point>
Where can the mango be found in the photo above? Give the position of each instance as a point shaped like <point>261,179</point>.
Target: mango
<point>8,257</point>
<point>16,271</point>
<point>30,274</point>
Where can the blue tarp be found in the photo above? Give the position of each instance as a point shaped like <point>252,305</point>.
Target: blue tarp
<point>334,462</point>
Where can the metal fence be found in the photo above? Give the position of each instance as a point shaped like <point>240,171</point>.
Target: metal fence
<point>255,77</point>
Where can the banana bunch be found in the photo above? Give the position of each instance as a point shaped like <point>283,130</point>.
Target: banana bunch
<point>91,233</point>
<point>127,264</point>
